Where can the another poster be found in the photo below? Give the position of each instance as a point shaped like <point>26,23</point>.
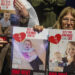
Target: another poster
<point>62,52</point>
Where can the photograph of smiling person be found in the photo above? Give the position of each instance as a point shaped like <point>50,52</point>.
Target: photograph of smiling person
<point>70,57</point>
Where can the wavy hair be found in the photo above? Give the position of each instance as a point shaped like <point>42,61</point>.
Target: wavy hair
<point>64,12</point>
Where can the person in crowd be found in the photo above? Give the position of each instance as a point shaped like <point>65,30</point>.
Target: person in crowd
<point>5,23</point>
<point>66,20</point>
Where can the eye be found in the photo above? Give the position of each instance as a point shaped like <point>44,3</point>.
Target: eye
<point>72,20</point>
<point>65,19</point>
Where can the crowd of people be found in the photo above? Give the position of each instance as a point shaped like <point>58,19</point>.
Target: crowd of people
<point>29,18</point>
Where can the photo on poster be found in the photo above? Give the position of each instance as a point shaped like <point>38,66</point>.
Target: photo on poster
<point>5,24</point>
<point>29,49</point>
<point>62,51</point>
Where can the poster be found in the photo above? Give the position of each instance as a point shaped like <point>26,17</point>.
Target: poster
<point>61,52</point>
<point>31,48</point>
<point>45,14</point>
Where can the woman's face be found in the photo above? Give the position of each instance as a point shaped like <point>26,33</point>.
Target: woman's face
<point>71,50</point>
<point>68,22</point>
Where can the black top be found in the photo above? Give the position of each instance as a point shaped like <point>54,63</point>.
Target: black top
<point>70,68</point>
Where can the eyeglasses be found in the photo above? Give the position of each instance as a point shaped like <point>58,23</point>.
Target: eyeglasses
<point>67,20</point>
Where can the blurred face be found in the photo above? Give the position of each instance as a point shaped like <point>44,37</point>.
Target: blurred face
<point>6,16</point>
<point>58,56</point>
<point>71,50</point>
<point>27,45</point>
<point>68,22</point>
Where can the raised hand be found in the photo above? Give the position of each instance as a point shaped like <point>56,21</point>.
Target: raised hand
<point>21,8</point>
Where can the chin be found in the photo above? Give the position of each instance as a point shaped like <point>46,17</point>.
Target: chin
<point>69,28</point>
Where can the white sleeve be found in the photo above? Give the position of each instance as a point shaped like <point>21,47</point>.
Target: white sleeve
<point>33,18</point>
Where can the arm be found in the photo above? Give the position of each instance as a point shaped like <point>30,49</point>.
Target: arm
<point>21,11</point>
<point>33,18</point>
<point>27,12</point>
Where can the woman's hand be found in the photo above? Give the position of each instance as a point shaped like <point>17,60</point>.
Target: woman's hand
<point>38,28</point>
<point>21,8</point>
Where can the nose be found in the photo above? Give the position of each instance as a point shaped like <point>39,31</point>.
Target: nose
<point>69,21</point>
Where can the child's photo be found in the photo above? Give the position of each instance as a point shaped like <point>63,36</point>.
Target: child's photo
<point>31,54</point>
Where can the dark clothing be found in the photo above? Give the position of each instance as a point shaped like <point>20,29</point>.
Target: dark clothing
<point>70,3</point>
<point>64,60</point>
<point>70,68</point>
<point>36,63</point>
<point>5,60</point>
<point>48,10</point>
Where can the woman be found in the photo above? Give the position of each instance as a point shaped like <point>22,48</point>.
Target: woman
<point>66,20</point>
<point>70,57</point>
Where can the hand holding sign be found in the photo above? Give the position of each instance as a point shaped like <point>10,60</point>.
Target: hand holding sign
<point>38,28</point>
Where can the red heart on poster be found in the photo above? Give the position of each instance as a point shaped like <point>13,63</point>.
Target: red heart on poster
<point>19,36</point>
<point>55,39</point>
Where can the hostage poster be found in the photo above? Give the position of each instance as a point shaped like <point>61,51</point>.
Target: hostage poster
<point>61,52</point>
<point>29,51</point>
